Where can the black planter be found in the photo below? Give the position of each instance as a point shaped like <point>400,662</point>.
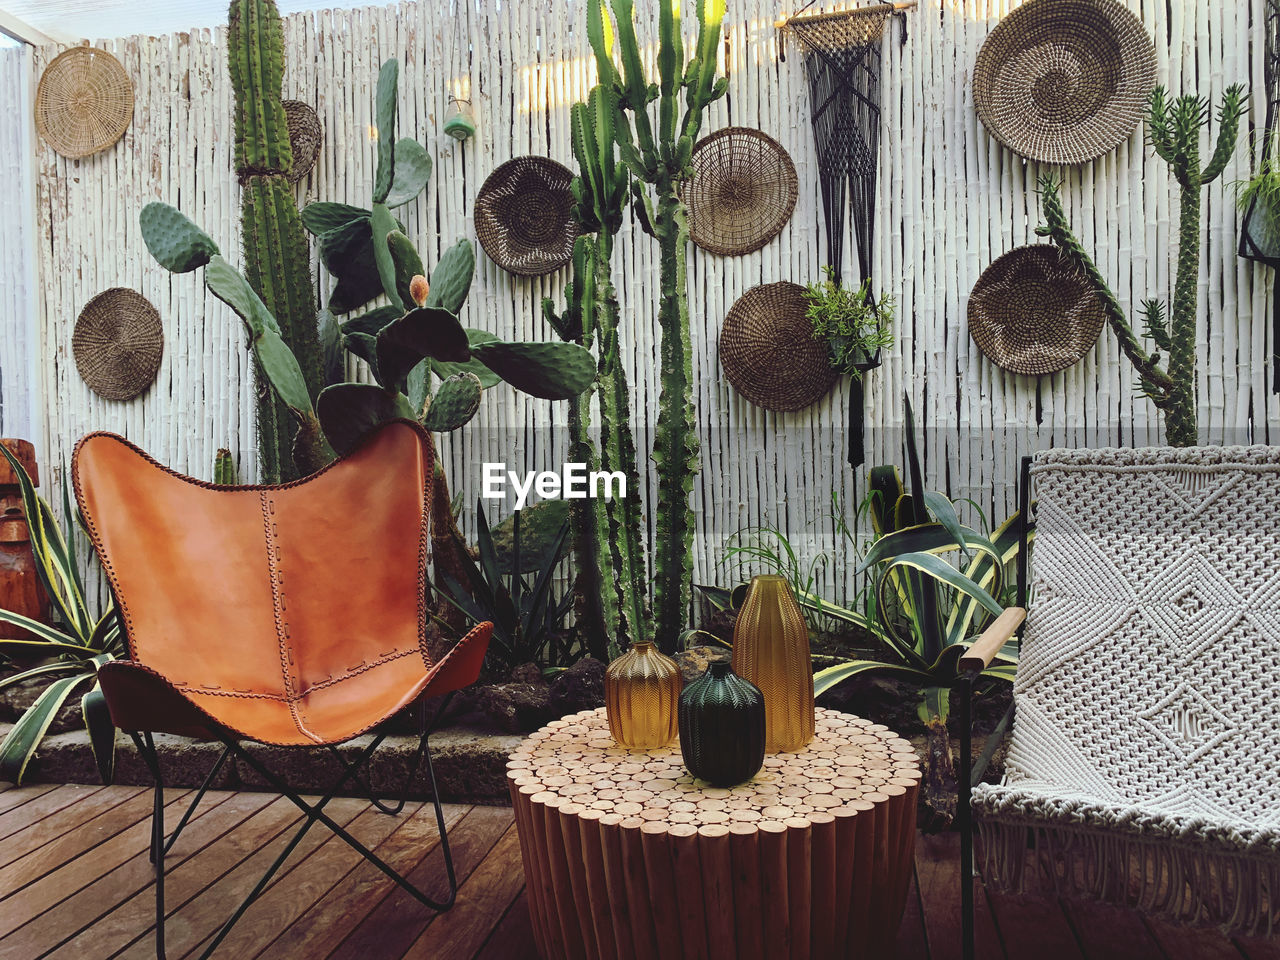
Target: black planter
<point>722,727</point>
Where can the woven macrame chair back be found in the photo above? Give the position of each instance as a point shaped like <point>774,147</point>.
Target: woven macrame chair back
<point>1146,686</point>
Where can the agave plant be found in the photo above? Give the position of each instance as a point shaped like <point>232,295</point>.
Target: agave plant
<point>526,616</point>
<point>70,652</point>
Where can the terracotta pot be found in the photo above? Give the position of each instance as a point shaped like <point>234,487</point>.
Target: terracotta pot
<point>20,589</point>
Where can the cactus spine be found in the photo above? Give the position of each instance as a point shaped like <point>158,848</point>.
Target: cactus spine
<point>276,257</point>
<point>608,549</point>
<point>660,158</point>
<point>1174,132</point>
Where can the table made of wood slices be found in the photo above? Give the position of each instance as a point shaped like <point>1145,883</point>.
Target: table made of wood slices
<point>627,856</point>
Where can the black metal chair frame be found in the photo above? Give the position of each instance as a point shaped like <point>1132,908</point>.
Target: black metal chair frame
<point>160,845</point>
<point>972,773</point>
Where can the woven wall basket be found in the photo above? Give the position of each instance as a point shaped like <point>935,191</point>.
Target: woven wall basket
<point>523,216</point>
<point>742,192</point>
<point>768,351</point>
<point>306,136</point>
<point>84,102</point>
<point>1064,81</point>
<point>1031,313</point>
<point>117,343</point>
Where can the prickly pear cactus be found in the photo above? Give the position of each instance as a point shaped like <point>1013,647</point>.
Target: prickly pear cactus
<point>276,257</point>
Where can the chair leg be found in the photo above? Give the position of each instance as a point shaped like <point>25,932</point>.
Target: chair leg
<point>191,808</point>
<point>147,750</point>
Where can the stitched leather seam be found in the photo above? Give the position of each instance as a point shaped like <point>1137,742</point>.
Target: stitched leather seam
<point>277,601</point>
<point>424,545</point>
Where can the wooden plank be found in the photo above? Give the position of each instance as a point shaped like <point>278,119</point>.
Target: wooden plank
<point>488,893</point>
<point>196,917</point>
<point>46,831</point>
<point>12,796</point>
<point>1034,927</point>
<point>115,830</point>
<point>42,807</point>
<point>121,905</point>
<point>1191,943</point>
<point>938,881</point>
<point>1107,932</point>
<point>912,940</point>
<point>512,937</point>
<point>399,919</point>
<point>338,912</point>
<point>283,902</point>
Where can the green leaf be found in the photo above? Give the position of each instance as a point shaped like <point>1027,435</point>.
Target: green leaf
<point>44,670</point>
<point>451,278</point>
<point>830,677</point>
<point>944,512</point>
<point>177,244</point>
<point>371,323</point>
<point>24,737</point>
<point>938,569</point>
<point>540,526</point>
<point>330,334</point>
<point>364,346</point>
<point>323,217</point>
<point>412,171</point>
<point>102,732</point>
<point>347,248</point>
<point>388,81</point>
<point>226,283</point>
<point>282,370</point>
<point>406,263</point>
<point>923,538</point>
<point>348,411</point>
<point>454,404</point>
<point>551,371</point>
<point>422,332</point>
<point>383,225</point>
<point>488,378</point>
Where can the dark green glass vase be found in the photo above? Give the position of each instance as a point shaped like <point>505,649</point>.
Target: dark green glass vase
<point>722,727</point>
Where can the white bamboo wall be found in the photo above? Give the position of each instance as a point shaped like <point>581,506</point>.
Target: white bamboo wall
<point>951,200</point>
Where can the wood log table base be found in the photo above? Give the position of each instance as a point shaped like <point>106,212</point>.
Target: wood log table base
<point>628,857</point>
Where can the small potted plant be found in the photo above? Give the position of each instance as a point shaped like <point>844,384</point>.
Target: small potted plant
<point>1259,198</point>
<point>855,327</point>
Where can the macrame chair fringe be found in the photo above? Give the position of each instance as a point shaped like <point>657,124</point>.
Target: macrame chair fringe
<point>1190,883</point>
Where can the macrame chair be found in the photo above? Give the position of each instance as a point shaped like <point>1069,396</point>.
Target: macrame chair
<point>291,615</point>
<point>1259,234</point>
<point>842,61</point>
<point>1142,768</point>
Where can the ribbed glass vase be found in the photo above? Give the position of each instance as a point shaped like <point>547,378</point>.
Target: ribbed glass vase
<point>771,649</point>
<point>722,727</point>
<point>641,688</point>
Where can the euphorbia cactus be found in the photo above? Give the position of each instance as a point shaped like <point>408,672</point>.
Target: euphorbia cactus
<point>661,158</point>
<point>1174,132</point>
<point>277,260</point>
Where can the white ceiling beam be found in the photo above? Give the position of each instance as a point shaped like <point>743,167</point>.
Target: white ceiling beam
<point>21,30</point>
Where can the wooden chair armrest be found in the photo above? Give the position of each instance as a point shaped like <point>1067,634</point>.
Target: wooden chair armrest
<point>985,648</point>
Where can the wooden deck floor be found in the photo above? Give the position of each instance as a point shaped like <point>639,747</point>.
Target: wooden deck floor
<point>75,884</point>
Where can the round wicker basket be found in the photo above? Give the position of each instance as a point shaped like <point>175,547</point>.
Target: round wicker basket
<point>84,102</point>
<point>117,344</point>
<point>768,351</point>
<point>1064,81</point>
<point>524,217</point>
<point>742,192</point>
<point>1031,313</point>
<point>306,136</point>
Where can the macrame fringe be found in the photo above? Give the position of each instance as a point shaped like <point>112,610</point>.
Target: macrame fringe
<point>1183,883</point>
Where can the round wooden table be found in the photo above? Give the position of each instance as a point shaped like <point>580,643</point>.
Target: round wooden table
<point>627,856</point>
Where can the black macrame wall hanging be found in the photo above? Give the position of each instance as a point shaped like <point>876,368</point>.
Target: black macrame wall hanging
<point>1260,230</point>
<point>842,58</point>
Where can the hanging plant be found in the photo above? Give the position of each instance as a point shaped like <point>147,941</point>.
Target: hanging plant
<point>853,323</point>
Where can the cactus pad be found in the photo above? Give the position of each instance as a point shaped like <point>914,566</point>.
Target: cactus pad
<point>454,404</point>
<point>177,244</point>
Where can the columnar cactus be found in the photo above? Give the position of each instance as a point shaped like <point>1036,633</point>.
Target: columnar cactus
<point>611,568</point>
<point>277,260</point>
<point>660,156</point>
<point>1174,131</point>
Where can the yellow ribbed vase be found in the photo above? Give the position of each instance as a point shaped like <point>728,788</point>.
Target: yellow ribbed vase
<point>771,649</point>
<point>641,690</point>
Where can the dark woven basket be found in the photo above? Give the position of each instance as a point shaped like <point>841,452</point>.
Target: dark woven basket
<point>1064,81</point>
<point>742,192</point>
<point>306,136</point>
<point>1031,313</point>
<point>84,101</point>
<point>524,216</point>
<point>768,351</point>
<point>117,344</point>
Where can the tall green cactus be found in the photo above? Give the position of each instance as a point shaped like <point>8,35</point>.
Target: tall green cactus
<point>606,533</point>
<point>1173,128</point>
<point>277,260</point>
<point>659,157</point>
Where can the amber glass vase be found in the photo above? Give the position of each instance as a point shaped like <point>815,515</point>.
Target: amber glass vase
<point>641,690</point>
<point>771,649</point>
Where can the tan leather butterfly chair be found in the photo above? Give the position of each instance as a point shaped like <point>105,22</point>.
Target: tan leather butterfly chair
<point>292,615</point>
